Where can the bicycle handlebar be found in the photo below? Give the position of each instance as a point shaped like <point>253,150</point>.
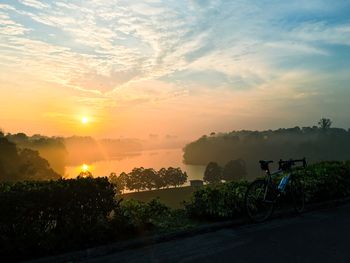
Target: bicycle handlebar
<point>283,165</point>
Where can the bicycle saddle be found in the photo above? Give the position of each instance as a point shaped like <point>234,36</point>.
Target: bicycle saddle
<point>265,164</point>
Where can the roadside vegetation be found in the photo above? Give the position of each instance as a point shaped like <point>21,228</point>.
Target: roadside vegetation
<point>47,217</point>
<point>171,197</point>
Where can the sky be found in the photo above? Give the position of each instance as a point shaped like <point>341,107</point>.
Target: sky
<point>172,68</point>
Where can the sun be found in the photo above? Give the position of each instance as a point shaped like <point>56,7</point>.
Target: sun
<point>84,120</point>
<point>85,167</point>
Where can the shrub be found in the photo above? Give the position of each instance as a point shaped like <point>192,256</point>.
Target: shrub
<point>218,201</point>
<point>154,216</point>
<point>53,216</point>
<point>144,216</point>
<point>326,180</point>
<point>322,181</point>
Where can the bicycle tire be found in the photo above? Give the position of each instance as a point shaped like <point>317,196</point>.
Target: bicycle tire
<point>258,209</point>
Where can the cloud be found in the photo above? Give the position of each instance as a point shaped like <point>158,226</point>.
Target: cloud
<point>104,83</point>
<point>322,32</point>
<point>132,54</point>
<point>8,26</point>
<point>34,3</point>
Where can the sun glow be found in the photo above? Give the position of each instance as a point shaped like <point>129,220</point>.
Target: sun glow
<point>84,120</point>
<point>84,168</point>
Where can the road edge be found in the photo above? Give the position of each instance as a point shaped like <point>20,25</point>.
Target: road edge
<point>158,238</point>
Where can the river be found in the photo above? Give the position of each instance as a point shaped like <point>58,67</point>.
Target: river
<point>148,159</point>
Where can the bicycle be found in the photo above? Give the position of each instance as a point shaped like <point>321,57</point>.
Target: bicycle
<point>262,194</point>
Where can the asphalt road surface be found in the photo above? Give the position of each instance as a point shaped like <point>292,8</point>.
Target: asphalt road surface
<point>319,236</point>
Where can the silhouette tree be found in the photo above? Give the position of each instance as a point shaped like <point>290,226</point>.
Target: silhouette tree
<point>8,161</point>
<point>157,180</point>
<point>135,181</point>
<point>150,178</point>
<point>174,177</point>
<point>162,173</point>
<point>234,170</point>
<point>123,180</point>
<point>23,164</point>
<point>212,173</point>
<point>33,167</point>
<point>324,123</point>
<point>19,137</point>
<point>114,180</point>
<point>85,174</point>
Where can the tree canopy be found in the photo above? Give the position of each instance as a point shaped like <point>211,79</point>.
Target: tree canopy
<point>324,123</point>
<point>212,173</point>
<point>316,143</point>
<point>141,178</point>
<point>234,170</point>
<point>23,164</point>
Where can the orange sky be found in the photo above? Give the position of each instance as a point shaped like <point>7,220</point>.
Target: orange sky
<point>180,69</point>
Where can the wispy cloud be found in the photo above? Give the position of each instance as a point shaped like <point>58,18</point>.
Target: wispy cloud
<point>34,3</point>
<point>128,53</point>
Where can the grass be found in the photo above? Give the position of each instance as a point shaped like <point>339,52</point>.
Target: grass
<point>171,197</point>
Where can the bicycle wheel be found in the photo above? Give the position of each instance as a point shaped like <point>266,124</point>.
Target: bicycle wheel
<point>259,200</point>
<point>298,195</point>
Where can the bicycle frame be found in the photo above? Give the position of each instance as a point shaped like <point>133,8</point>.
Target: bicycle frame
<point>262,194</point>
<point>270,182</point>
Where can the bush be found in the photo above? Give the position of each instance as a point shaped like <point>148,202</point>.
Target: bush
<point>144,216</point>
<point>218,201</point>
<point>41,218</point>
<point>326,180</point>
<point>322,181</point>
<point>53,216</point>
<point>154,216</point>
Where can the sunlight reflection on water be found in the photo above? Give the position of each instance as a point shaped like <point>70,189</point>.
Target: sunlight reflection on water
<point>148,159</point>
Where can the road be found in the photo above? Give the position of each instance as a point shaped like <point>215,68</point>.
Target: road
<point>318,236</point>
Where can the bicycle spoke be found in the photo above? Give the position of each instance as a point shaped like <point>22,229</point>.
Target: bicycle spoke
<point>258,208</point>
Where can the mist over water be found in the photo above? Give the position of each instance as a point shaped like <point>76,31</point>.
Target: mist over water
<point>148,159</point>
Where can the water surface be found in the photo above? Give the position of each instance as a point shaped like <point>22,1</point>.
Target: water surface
<point>148,159</point>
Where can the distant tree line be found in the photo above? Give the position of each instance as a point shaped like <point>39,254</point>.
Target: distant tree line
<point>50,148</point>
<point>74,150</point>
<point>17,164</point>
<point>234,170</point>
<point>148,179</point>
<point>316,143</point>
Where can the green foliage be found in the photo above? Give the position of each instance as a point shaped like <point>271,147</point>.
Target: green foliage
<point>22,164</point>
<point>212,173</point>
<point>117,181</point>
<point>326,180</point>
<point>144,215</point>
<point>53,216</point>
<point>174,177</point>
<point>218,201</point>
<point>234,170</point>
<point>322,181</point>
<point>315,143</point>
<point>141,179</point>
<point>153,216</point>
<point>47,217</point>
<point>151,179</point>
